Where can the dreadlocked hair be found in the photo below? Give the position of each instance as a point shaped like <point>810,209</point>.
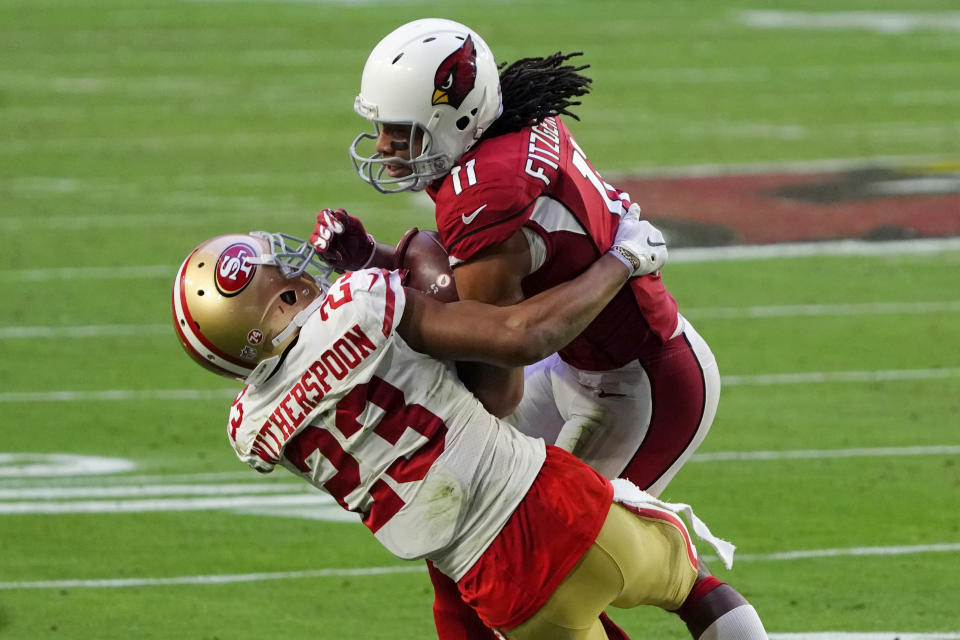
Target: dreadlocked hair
<point>537,88</point>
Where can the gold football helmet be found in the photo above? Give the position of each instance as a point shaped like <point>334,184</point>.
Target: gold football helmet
<point>238,299</point>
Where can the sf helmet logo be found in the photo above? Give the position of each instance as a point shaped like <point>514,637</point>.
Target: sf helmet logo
<point>456,76</point>
<point>234,273</point>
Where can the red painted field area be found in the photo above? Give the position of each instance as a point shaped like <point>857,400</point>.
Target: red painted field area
<point>757,208</point>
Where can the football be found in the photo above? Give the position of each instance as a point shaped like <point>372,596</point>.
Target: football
<point>427,266</point>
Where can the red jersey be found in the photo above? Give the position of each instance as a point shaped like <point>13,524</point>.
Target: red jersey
<point>539,178</point>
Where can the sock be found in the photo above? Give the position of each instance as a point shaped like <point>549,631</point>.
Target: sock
<point>741,623</point>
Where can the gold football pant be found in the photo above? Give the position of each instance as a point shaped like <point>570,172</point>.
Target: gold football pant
<point>637,559</point>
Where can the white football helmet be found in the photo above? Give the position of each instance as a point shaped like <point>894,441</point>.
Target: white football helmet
<point>440,78</point>
<point>238,299</point>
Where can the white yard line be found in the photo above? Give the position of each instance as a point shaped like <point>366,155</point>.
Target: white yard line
<point>85,331</point>
<point>823,454</point>
<point>869,635</point>
<point>117,395</point>
<point>108,583</point>
<point>25,476</point>
<point>754,312</point>
<point>12,475</point>
<point>305,500</point>
<point>887,22</point>
<point>818,377</point>
<point>37,489</point>
<point>809,377</point>
<point>843,248</point>
<point>140,491</point>
<point>814,310</point>
<point>89,273</point>
<point>946,547</point>
<point>112,583</point>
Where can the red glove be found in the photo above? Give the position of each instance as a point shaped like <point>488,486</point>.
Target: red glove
<point>341,240</point>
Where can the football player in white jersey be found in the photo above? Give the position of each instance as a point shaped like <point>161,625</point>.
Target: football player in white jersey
<point>520,208</point>
<point>350,386</point>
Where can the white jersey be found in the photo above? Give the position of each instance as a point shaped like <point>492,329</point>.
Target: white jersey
<point>390,433</point>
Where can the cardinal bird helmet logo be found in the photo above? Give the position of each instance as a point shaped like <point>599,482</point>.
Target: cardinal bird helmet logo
<point>456,76</point>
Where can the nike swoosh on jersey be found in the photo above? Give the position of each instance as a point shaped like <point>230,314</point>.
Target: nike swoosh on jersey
<point>604,394</point>
<point>467,219</point>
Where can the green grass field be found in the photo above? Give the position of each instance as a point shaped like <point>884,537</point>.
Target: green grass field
<point>132,130</point>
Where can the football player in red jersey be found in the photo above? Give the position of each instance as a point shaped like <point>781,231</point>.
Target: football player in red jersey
<point>520,208</point>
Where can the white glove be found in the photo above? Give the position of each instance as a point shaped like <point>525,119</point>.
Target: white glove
<point>639,244</point>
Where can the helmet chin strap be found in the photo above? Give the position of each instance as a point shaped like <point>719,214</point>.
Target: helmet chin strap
<point>266,366</point>
<point>298,321</point>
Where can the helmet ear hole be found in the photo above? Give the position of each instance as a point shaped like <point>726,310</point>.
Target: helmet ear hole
<point>289,297</point>
<point>463,122</point>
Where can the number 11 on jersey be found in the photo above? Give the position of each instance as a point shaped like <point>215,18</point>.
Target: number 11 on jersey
<point>579,160</point>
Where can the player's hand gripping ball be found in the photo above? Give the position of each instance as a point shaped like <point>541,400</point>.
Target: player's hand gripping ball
<point>426,264</point>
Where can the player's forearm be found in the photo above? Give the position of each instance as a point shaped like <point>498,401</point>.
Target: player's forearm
<point>550,320</point>
<point>516,335</point>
